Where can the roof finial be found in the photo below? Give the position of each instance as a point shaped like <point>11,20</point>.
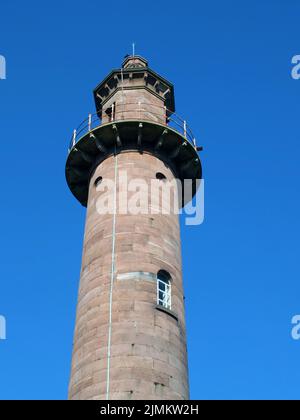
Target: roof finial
<point>133,49</point>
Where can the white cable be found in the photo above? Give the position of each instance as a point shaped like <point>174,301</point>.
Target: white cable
<point>122,91</point>
<point>111,281</point>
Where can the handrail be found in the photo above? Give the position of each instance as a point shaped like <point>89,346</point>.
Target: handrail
<point>145,113</point>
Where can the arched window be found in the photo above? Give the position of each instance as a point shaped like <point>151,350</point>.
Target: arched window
<point>161,177</point>
<point>164,289</point>
<point>98,181</point>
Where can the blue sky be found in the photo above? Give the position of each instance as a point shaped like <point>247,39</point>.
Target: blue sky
<point>230,63</point>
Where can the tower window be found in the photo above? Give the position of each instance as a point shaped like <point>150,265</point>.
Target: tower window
<point>164,289</point>
<point>161,176</point>
<point>98,181</point>
<point>111,112</point>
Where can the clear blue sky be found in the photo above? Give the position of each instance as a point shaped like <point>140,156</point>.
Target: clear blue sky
<point>230,63</point>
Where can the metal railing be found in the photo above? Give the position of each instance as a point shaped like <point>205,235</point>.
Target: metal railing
<point>140,111</point>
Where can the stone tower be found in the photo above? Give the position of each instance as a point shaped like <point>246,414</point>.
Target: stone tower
<point>129,340</point>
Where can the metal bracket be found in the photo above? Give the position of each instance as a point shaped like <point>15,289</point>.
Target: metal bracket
<point>86,156</point>
<point>99,144</point>
<point>118,139</point>
<point>139,141</point>
<point>177,150</point>
<point>161,140</point>
<point>189,163</point>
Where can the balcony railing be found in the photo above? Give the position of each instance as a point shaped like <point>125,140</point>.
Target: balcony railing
<point>134,111</point>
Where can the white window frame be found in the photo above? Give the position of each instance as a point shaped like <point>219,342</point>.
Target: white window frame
<point>164,287</point>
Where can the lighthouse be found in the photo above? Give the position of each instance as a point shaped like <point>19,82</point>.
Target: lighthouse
<point>130,335</point>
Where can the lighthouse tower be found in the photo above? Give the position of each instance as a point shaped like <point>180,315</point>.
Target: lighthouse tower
<point>130,340</point>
